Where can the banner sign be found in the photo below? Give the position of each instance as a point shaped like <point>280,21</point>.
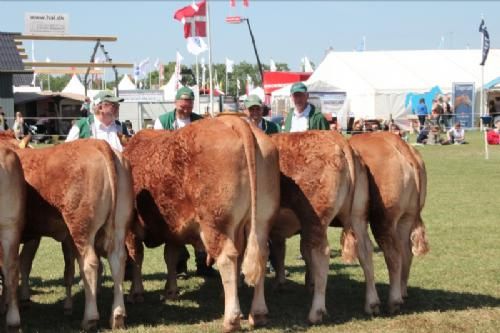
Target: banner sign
<point>331,102</point>
<point>463,103</point>
<point>46,24</point>
<point>142,95</point>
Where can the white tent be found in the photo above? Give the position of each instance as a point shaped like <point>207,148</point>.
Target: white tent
<point>255,91</point>
<point>169,90</point>
<point>317,86</point>
<point>377,82</point>
<point>74,86</point>
<point>126,83</point>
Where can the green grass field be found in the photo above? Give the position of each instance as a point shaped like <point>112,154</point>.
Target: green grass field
<point>455,288</point>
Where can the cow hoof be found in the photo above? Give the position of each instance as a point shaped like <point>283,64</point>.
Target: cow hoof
<point>232,325</point>
<point>135,298</point>
<point>117,322</point>
<point>373,309</point>
<point>395,307</point>
<point>316,317</point>
<point>279,286</point>
<point>170,295</point>
<point>68,311</point>
<point>90,325</point>
<point>25,303</point>
<point>13,329</point>
<point>257,320</point>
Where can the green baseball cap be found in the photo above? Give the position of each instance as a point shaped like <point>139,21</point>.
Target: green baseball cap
<point>184,93</point>
<point>298,87</point>
<point>253,100</point>
<point>106,96</point>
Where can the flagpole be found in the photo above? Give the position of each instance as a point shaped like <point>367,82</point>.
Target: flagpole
<point>210,60</point>
<point>198,85</point>
<point>226,80</point>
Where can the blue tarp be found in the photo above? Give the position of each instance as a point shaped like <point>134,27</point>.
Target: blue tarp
<point>492,83</point>
<point>413,99</point>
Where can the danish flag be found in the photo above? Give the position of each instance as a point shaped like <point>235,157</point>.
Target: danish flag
<point>194,19</point>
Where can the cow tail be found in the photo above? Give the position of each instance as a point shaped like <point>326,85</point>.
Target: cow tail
<point>255,257</point>
<point>348,237</point>
<point>109,226</point>
<point>419,243</point>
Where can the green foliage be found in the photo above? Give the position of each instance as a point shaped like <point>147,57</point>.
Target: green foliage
<point>57,83</point>
<point>454,288</point>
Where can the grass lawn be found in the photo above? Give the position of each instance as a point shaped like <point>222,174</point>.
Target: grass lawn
<point>455,288</point>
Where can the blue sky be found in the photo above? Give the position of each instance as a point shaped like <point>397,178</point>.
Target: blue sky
<point>284,30</point>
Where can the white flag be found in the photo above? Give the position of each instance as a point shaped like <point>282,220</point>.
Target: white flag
<point>142,66</point>
<point>203,73</point>
<point>179,58</point>
<point>307,65</point>
<point>157,64</point>
<point>229,65</point>
<point>272,66</point>
<point>196,45</point>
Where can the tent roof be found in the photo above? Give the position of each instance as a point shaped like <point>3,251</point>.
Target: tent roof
<point>126,83</point>
<point>319,86</point>
<point>74,86</point>
<point>413,70</point>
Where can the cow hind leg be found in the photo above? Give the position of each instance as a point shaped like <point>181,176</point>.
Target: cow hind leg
<point>10,269</point>
<point>116,259</point>
<point>171,257</point>
<point>69,273</point>
<point>390,244</point>
<point>26,261</point>
<point>365,257</point>
<point>277,248</point>
<point>89,264</point>
<point>135,250</point>
<point>319,256</point>
<point>227,262</point>
<point>404,231</point>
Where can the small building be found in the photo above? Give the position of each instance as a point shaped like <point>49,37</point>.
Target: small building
<point>12,72</point>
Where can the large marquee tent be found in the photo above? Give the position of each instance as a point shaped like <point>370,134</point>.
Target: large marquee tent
<point>377,82</point>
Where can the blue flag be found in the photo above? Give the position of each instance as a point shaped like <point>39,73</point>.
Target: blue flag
<point>486,41</point>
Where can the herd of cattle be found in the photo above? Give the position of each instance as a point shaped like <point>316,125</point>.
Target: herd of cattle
<point>219,184</point>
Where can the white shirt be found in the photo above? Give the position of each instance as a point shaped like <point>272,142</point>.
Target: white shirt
<point>458,134</point>
<point>300,121</point>
<point>178,123</point>
<point>99,131</point>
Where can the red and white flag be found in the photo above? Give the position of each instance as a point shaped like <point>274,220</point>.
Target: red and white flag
<point>245,3</point>
<point>194,19</point>
<point>232,3</point>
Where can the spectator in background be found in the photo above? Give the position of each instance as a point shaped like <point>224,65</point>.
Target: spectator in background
<point>447,113</point>
<point>437,112</point>
<point>357,128</point>
<point>303,116</point>
<point>422,113</point>
<point>130,129</point>
<point>254,111</point>
<point>456,135</point>
<point>85,109</point>
<point>102,124</point>
<point>182,115</point>
<point>19,126</point>
<point>493,136</point>
<point>434,136</point>
<point>3,121</point>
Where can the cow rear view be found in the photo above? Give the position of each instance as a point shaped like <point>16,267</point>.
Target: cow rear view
<point>12,212</point>
<point>398,183</point>
<point>202,184</point>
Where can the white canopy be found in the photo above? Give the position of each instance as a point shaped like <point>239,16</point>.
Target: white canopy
<point>317,86</point>
<point>74,86</point>
<point>377,82</point>
<point>126,83</point>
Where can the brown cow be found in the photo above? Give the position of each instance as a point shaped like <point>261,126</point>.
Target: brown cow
<point>322,184</point>
<point>215,181</point>
<point>398,186</point>
<point>12,212</point>
<point>80,193</point>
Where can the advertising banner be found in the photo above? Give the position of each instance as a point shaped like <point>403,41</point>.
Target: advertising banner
<point>46,24</point>
<point>463,103</point>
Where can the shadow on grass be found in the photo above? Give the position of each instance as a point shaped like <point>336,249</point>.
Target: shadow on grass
<point>202,301</point>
